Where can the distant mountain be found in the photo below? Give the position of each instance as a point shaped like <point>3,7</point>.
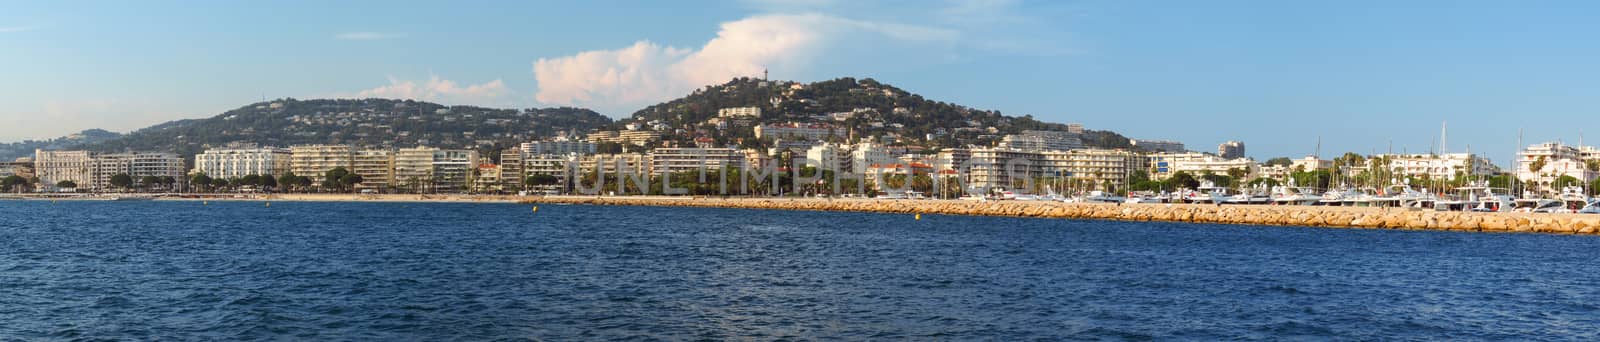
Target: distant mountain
<point>12,151</point>
<point>866,107</point>
<point>366,122</point>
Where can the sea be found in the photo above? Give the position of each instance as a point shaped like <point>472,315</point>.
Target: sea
<point>177,270</point>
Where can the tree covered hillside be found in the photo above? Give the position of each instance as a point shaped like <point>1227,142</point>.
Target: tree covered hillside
<point>865,107</point>
<point>365,122</point>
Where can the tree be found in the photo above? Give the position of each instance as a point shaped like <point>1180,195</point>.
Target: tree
<point>219,183</point>
<point>334,178</point>
<point>201,180</point>
<point>1279,161</point>
<point>66,184</point>
<point>1183,180</point>
<point>1537,165</point>
<point>268,182</point>
<point>349,181</point>
<point>289,180</point>
<point>149,181</point>
<point>121,180</point>
<point>13,182</point>
<point>1564,181</point>
<point>1594,187</point>
<point>250,179</point>
<point>541,179</point>
<point>1263,181</point>
<point>1237,173</point>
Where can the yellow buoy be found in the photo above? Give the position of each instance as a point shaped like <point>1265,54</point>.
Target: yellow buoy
<point>536,208</point>
<point>269,204</point>
<point>919,216</point>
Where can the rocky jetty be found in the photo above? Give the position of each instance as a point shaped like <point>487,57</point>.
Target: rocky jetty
<point>1333,217</point>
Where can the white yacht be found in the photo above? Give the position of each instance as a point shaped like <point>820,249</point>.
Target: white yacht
<point>1292,195</point>
<point>1535,205</point>
<point>1103,197</point>
<point>1573,199</point>
<point>1592,208</point>
<point>1477,198</point>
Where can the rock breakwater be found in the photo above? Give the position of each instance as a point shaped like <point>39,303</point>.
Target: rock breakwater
<point>1333,217</point>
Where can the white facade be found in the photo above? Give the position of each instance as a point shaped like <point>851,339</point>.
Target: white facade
<point>738,112</point>
<point>53,167</point>
<point>1096,166</point>
<point>866,154</point>
<point>558,147</point>
<point>135,164</point>
<point>314,161</point>
<point>1163,146</point>
<point>1558,160</point>
<point>1440,166</point>
<point>1042,141</point>
<point>796,130</point>
<point>1167,164</point>
<point>235,163</point>
<point>686,159</point>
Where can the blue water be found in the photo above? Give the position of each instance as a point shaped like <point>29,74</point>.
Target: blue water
<point>375,271</point>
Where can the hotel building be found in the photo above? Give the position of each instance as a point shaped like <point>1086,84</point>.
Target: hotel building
<point>235,163</point>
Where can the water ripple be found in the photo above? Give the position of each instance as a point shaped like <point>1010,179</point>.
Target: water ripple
<point>372,271</point>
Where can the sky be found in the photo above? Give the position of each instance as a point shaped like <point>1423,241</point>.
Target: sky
<point>1280,76</point>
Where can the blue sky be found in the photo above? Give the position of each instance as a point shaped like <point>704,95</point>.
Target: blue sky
<point>1277,75</point>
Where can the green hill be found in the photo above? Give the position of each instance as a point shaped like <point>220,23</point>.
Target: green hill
<point>866,107</point>
<point>365,122</point>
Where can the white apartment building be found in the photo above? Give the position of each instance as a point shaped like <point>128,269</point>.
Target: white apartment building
<point>949,161</point>
<point>630,137</point>
<point>686,159</point>
<point>235,163</point>
<point>135,164</point>
<point>1042,141</point>
<point>550,165</point>
<point>511,167</point>
<point>1165,165</point>
<point>1557,160</point>
<point>429,169</point>
<point>993,167</point>
<point>1441,166</point>
<point>53,167</point>
<point>1096,166</point>
<point>314,161</point>
<point>1310,163</point>
<point>830,156</point>
<point>1159,146</point>
<point>559,147</point>
<point>866,154</point>
<point>816,132</point>
<point>738,112</point>
<point>376,168</point>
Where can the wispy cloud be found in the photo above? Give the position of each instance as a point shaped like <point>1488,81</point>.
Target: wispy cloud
<point>368,36</point>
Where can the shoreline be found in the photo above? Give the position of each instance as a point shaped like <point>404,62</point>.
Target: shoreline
<point>1305,216</point>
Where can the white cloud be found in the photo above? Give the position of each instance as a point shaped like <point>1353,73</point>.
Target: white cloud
<point>438,90</point>
<point>614,81</point>
<point>368,36</point>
